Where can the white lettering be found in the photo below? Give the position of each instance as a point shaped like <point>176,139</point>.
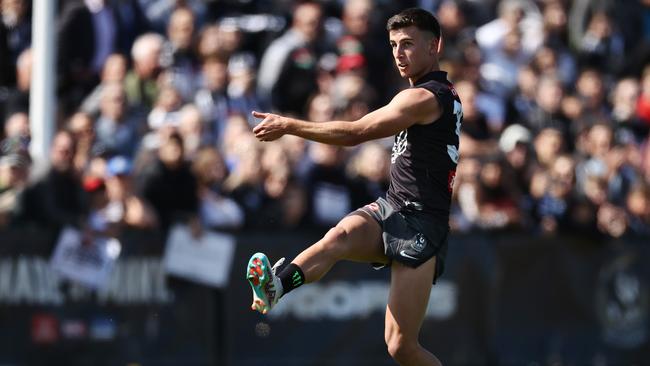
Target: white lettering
<point>23,289</point>
<point>345,300</point>
<point>6,269</point>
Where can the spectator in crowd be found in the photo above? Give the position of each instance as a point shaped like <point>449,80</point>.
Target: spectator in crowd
<point>166,110</point>
<point>18,98</point>
<point>192,129</point>
<point>117,130</point>
<point>475,131</point>
<point>514,15</point>
<point>555,19</point>
<point>242,93</point>
<point>15,165</point>
<point>547,110</point>
<point>57,198</point>
<point>454,24</point>
<point>590,89</point>
<point>217,210</point>
<point>245,181</point>
<point>141,81</point>
<point>624,103</point>
<point>369,170</point>
<point>637,205</point>
<point>329,188</point>
<point>497,197</point>
<point>212,98</point>
<point>514,144</point>
<point>548,145</point>
<point>114,71</point>
<point>555,205</point>
<point>283,203</point>
<point>522,101</point>
<point>87,33</point>
<point>81,126</point>
<point>501,64</point>
<point>15,35</point>
<point>159,12</point>
<point>612,220</point>
<point>360,39</point>
<point>17,125</point>
<point>124,207</point>
<point>464,210</point>
<point>181,63</point>
<point>230,39</point>
<point>170,186</point>
<point>288,69</point>
<point>600,43</point>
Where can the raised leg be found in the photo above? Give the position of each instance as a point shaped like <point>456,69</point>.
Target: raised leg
<point>356,237</point>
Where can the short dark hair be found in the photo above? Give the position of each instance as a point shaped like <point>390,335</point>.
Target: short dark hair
<point>420,18</point>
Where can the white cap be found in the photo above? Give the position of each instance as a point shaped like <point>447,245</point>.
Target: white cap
<point>512,135</point>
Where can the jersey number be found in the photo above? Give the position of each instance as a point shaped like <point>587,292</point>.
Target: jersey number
<point>452,150</point>
<point>458,112</point>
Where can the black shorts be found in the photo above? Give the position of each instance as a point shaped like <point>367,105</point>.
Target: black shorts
<point>410,237</point>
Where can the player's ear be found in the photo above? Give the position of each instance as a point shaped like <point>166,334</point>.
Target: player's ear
<point>439,44</point>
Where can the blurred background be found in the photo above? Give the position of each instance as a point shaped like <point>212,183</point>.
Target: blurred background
<point>138,126</point>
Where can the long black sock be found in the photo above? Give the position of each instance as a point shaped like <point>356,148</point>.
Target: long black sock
<point>291,277</point>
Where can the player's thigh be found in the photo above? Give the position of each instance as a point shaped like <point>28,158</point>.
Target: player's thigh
<point>360,235</point>
<point>408,299</point>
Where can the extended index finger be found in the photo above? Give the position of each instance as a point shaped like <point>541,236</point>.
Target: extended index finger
<point>257,114</point>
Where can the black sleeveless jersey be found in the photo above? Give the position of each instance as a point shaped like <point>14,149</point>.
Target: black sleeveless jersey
<point>424,157</point>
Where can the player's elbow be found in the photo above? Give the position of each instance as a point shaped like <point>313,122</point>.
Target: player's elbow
<point>354,139</point>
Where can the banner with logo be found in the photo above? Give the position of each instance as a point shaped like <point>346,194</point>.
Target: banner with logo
<point>138,317</point>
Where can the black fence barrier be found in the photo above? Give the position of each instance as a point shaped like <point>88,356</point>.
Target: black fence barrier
<point>141,317</point>
<point>505,299</point>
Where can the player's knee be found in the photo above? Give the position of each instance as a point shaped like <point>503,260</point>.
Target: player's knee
<point>336,241</point>
<point>400,349</point>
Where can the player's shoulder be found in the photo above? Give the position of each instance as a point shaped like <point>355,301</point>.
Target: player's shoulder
<point>416,95</point>
<point>420,103</point>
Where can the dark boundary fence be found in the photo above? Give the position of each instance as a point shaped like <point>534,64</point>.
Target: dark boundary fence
<point>505,299</point>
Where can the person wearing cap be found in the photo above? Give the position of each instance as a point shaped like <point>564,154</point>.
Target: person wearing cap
<point>514,143</point>
<point>124,206</point>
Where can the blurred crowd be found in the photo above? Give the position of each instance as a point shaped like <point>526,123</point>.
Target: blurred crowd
<point>154,124</point>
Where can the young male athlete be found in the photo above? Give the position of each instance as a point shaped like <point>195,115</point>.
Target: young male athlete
<point>407,230</point>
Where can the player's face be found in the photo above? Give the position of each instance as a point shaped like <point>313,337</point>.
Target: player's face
<point>414,51</point>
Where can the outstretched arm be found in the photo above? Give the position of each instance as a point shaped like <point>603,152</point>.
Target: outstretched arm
<point>409,107</point>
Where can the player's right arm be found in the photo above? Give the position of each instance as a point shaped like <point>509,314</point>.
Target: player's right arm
<point>409,107</point>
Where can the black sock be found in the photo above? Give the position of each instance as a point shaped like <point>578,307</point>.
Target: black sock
<point>291,277</point>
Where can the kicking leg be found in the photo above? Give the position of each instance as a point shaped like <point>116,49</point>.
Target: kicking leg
<point>407,304</point>
<point>356,237</point>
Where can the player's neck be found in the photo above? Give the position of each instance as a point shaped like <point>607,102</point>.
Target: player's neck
<point>434,67</point>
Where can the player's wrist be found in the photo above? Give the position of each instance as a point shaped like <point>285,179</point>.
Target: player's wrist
<point>289,125</point>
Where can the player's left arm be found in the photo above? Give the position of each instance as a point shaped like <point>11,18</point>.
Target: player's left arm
<point>408,107</point>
